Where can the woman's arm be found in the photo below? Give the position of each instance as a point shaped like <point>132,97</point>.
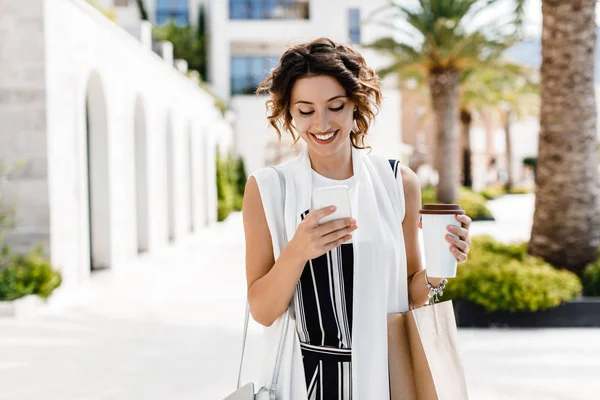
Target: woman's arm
<point>271,284</point>
<point>418,291</point>
<point>417,287</point>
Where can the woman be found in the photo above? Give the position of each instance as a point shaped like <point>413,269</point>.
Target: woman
<point>346,275</point>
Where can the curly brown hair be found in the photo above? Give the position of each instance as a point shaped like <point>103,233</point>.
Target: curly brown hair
<point>323,57</point>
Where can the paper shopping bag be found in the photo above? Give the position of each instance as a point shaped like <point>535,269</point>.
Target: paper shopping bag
<point>424,363</point>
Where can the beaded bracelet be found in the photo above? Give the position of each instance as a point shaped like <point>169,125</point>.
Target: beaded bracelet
<point>435,291</point>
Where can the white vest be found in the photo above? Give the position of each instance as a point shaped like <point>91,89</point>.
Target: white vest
<point>380,271</point>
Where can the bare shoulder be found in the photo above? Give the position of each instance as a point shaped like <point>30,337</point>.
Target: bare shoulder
<point>252,208</point>
<point>251,193</point>
<point>410,182</point>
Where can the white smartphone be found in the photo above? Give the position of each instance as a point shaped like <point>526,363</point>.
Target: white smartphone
<point>338,196</point>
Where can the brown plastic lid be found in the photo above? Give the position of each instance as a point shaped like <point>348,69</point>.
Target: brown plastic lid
<point>441,209</point>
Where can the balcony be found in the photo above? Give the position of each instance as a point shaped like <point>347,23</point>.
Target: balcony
<point>268,9</point>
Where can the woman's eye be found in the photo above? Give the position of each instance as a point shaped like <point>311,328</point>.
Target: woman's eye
<point>340,108</point>
<point>306,113</point>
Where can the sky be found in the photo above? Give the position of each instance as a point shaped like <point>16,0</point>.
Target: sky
<point>533,17</point>
<point>504,8</point>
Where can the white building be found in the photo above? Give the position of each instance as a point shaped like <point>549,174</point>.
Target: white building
<point>118,147</point>
<point>247,37</point>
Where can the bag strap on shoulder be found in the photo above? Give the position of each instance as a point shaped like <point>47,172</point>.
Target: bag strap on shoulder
<point>273,388</point>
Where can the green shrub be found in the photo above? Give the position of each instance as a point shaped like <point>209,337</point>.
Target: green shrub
<point>473,203</point>
<point>242,177</point>
<point>225,191</point>
<point>238,181</point>
<point>521,190</point>
<point>591,279</point>
<point>502,277</point>
<point>492,192</point>
<point>231,181</point>
<point>189,44</point>
<point>27,274</point>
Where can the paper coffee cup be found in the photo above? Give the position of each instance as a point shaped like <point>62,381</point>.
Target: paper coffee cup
<point>439,261</point>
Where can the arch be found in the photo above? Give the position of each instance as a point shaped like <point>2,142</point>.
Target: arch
<point>141,176</point>
<point>98,180</point>
<point>191,177</point>
<point>207,162</point>
<point>170,155</point>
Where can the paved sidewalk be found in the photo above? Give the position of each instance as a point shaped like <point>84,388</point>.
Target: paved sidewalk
<point>169,327</point>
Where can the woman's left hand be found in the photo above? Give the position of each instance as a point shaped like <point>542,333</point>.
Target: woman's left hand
<point>462,246</point>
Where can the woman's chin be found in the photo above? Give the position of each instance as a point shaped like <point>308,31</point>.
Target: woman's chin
<point>328,149</point>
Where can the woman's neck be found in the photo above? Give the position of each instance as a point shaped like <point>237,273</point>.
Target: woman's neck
<point>336,166</point>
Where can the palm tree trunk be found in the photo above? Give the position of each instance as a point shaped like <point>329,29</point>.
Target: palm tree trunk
<point>566,226</point>
<point>509,170</point>
<point>465,124</point>
<point>443,88</point>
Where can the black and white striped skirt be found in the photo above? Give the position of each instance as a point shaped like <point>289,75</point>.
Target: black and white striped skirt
<point>328,372</point>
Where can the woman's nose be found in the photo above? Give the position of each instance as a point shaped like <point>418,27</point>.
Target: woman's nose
<point>322,123</point>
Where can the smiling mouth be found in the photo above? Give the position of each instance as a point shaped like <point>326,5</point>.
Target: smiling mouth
<point>326,138</point>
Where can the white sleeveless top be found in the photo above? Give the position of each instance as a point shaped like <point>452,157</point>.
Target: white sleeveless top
<point>380,270</point>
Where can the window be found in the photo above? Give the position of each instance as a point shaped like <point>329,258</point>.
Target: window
<point>248,71</point>
<point>268,9</point>
<point>354,25</point>
<point>177,10</point>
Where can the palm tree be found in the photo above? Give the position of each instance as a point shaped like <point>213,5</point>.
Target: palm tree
<point>442,39</point>
<point>516,97</point>
<point>510,89</point>
<point>566,225</point>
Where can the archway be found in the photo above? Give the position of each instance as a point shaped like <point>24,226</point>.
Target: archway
<point>170,178</point>
<point>192,178</point>
<point>98,182</point>
<point>141,176</point>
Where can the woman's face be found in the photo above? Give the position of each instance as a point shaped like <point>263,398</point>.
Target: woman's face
<point>322,114</point>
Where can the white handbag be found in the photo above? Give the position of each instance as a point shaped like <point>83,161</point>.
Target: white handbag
<point>247,392</point>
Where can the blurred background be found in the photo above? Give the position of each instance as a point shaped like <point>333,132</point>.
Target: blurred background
<point>128,129</point>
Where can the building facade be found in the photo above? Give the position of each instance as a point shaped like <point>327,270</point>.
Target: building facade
<point>247,38</point>
<point>113,148</point>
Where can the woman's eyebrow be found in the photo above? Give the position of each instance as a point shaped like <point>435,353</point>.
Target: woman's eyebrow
<point>331,99</point>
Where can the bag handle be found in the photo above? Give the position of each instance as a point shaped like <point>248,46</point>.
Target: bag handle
<point>273,387</point>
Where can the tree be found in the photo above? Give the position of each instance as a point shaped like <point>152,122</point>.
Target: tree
<point>442,39</point>
<point>189,43</point>
<point>516,97</point>
<point>566,223</point>
<point>142,9</point>
<point>510,89</point>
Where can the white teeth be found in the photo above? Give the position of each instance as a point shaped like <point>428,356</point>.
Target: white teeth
<point>325,137</point>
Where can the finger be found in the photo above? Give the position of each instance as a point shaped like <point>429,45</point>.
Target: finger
<point>420,224</point>
<point>339,242</point>
<point>314,216</point>
<point>461,232</point>
<point>460,256</point>
<point>464,219</point>
<point>332,226</point>
<point>336,235</point>
<point>462,245</point>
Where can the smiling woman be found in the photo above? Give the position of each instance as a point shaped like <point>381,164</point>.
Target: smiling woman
<point>343,67</point>
<point>338,280</point>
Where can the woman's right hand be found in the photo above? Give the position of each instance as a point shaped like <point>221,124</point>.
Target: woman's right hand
<point>312,240</point>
